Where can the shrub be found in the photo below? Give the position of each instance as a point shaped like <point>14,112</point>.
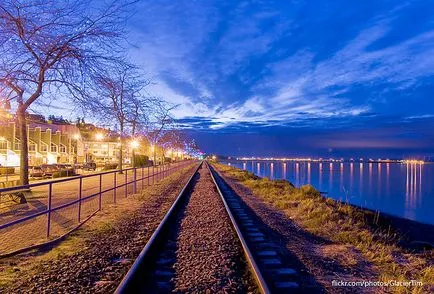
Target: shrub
<point>63,173</point>
<point>141,160</point>
<point>109,166</point>
<point>7,170</point>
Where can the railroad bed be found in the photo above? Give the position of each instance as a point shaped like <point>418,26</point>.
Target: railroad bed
<point>208,243</point>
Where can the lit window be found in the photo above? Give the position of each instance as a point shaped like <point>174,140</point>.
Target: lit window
<point>32,146</point>
<point>17,144</point>
<point>53,148</point>
<point>43,148</point>
<point>62,149</point>
<point>3,144</point>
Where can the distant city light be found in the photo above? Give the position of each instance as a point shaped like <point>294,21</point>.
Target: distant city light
<point>296,159</point>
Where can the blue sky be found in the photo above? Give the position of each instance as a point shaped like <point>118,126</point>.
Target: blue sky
<point>298,77</point>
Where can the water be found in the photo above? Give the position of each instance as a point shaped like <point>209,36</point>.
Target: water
<point>405,190</point>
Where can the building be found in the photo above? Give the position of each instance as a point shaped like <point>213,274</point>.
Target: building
<point>58,141</point>
<point>47,143</point>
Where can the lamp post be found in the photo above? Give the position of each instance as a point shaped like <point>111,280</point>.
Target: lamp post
<point>100,137</point>
<point>153,154</point>
<point>76,137</point>
<point>134,145</point>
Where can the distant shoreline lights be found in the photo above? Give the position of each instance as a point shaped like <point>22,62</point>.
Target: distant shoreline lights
<point>405,161</point>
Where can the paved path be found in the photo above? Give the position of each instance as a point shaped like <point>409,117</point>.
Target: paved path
<point>35,230</point>
<point>68,191</point>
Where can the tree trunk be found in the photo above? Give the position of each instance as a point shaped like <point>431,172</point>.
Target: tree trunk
<point>133,157</point>
<point>121,145</point>
<point>155,155</point>
<point>24,151</point>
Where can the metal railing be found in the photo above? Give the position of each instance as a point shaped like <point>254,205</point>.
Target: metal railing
<point>57,207</point>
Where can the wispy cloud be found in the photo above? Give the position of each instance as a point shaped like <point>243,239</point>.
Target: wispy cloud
<point>230,63</point>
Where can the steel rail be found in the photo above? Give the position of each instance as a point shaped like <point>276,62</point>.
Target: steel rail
<point>133,276</point>
<point>248,254</point>
<point>136,274</point>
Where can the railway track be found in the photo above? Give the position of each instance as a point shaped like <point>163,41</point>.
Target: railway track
<point>208,241</point>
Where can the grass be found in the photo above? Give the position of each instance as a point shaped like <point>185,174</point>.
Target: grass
<point>343,224</point>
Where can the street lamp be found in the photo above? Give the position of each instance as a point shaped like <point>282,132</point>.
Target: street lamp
<point>99,136</point>
<point>134,144</point>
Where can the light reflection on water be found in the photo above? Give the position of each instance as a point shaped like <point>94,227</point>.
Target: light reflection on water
<point>404,190</point>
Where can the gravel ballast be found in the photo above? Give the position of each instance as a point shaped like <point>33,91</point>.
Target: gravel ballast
<point>208,255</point>
<point>201,252</point>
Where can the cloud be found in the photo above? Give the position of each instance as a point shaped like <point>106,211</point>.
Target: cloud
<point>268,64</point>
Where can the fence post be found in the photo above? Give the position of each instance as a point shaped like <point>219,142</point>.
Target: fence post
<point>100,192</point>
<point>135,181</point>
<point>143,177</point>
<point>149,175</point>
<point>79,198</point>
<point>153,174</point>
<point>126,183</point>
<point>50,190</point>
<point>115,186</point>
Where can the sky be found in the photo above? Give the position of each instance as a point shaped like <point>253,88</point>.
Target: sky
<point>305,78</point>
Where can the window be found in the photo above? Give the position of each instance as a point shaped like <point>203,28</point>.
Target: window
<point>3,144</point>
<point>43,147</point>
<point>95,151</point>
<point>17,144</point>
<point>62,149</point>
<point>32,146</point>
<point>53,148</point>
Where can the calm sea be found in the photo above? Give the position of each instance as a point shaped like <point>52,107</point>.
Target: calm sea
<point>405,190</point>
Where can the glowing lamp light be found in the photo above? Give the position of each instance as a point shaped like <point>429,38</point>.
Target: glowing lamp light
<point>134,144</point>
<point>76,137</point>
<point>2,139</point>
<point>152,148</point>
<point>99,136</point>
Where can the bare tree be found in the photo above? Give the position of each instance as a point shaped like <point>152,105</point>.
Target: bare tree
<point>139,118</point>
<point>160,123</point>
<point>119,99</point>
<point>54,45</point>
